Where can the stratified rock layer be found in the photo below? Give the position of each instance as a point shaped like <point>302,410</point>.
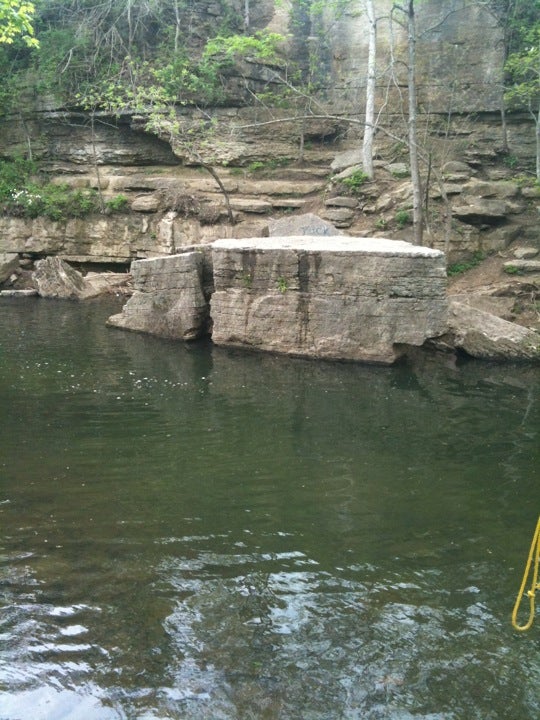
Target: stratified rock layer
<point>168,298</point>
<point>334,297</point>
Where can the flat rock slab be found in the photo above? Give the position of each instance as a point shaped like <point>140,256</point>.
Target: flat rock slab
<point>334,297</point>
<point>18,293</point>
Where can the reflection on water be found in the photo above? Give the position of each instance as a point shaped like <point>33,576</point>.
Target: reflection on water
<point>193,533</point>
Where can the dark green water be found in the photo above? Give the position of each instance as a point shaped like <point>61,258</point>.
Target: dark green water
<point>192,533</point>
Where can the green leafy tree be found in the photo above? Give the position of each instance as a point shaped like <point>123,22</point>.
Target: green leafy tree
<point>523,67</point>
<point>16,21</point>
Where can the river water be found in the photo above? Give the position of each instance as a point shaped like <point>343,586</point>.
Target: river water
<point>188,532</point>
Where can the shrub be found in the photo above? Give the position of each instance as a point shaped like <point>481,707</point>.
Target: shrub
<point>465,265</point>
<point>403,217</point>
<point>22,195</point>
<point>511,270</point>
<point>117,203</point>
<point>355,181</point>
<point>14,176</point>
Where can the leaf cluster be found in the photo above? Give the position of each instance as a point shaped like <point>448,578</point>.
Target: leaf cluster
<point>16,22</point>
<point>262,46</point>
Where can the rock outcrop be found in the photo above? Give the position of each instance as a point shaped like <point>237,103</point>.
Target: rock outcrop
<point>305,224</point>
<point>335,297</point>
<point>485,336</point>
<point>9,262</point>
<point>55,278</point>
<point>168,298</point>
<point>332,297</point>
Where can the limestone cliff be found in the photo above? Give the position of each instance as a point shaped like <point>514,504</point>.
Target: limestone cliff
<point>478,198</point>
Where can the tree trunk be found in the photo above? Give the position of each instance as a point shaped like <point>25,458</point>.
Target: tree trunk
<point>413,135</point>
<point>369,126</point>
<point>504,127</point>
<point>537,121</point>
<point>209,169</point>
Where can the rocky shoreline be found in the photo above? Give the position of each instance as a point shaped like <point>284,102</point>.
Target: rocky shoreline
<point>332,297</point>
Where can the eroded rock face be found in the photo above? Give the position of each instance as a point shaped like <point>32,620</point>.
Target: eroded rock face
<point>168,298</point>
<point>9,262</point>
<point>55,278</point>
<point>485,336</point>
<point>334,297</point>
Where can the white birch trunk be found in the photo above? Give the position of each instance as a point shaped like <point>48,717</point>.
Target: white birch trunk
<point>413,136</point>
<point>369,125</point>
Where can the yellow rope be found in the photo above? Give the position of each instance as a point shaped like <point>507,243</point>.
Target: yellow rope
<point>533,560</point>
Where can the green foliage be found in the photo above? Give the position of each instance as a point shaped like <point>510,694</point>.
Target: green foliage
<point>282,285</point>
<point>259,166</point>
<point>526,181</point>
<point>56,202</point>
<point>381,224</point>
<point>16,18</point>
<point>105,55</point>
<point>263,45</point>
<point>15,175</point>
<point>355,181</point>
<point>511,270</point>
<point>510,161</point>
<point>24,193</point>
<point>403,218</point>
<point>465,265</point>
<point>523,67</point>
<point>118,203</point>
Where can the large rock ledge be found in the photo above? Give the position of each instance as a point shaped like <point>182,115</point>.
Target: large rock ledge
<point>338,297</point>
